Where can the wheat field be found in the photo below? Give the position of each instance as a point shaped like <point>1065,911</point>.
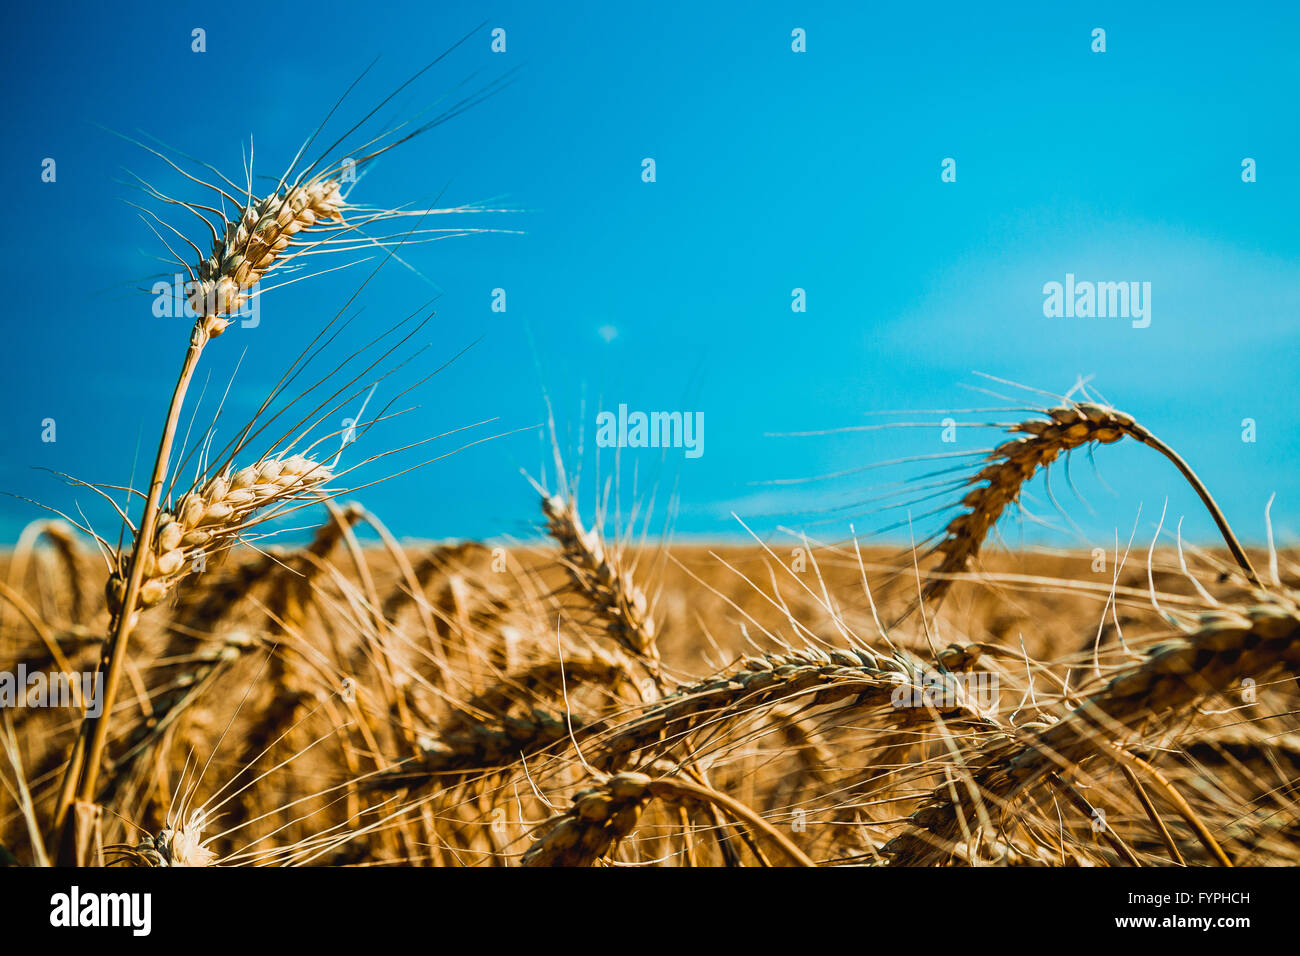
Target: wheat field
<point>593,695</point>
<point>466,706</point>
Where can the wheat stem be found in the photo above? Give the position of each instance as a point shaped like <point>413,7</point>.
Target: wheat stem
<point>95,729</point>
<point>1128,760</point>
<point>1153,815</point>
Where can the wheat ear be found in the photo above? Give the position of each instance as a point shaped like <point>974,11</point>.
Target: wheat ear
<point>1016,461</point>
<point>206,519</point>
<point>1228,646</point>
<point>256,241</point>
<point>814,677</point>
<point>182,844</point>
<point>599,576</point>
<point>244,251</point>
<point>479,746</point>
<point>603,815</point>
<point>588,665</point>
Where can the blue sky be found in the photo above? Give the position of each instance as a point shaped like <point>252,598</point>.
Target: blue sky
<point>775,170</point>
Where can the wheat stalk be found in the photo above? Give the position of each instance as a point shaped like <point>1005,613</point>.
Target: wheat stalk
<point>1016,461</point>
<point>859,679</point>
<point>245,250</point>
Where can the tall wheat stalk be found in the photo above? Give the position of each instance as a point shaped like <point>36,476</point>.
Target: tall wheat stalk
<point>305,213</point>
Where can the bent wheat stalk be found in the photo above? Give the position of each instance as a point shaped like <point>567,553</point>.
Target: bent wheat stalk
<point>809,676</point>
<point>1015,462</point>
<point>130,593</point>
